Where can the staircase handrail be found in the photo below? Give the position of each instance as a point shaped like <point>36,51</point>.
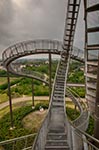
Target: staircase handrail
<point>80,100</point>
<point>83,113</point>
<point>48,113</point>
<point>81,132</point>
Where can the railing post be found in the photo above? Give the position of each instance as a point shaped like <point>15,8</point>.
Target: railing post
<point>32,94</point>
<point>10,99</point>
<point>50,76</point>
<point>96,128</point>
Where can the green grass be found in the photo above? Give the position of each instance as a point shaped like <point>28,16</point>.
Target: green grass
<point>20,110</point>
<point>18,115</point>
<point>27,120</point>
<point>22,86</point>
<point>3,98</point>
<point>3,80</point>
<point>6,109</point>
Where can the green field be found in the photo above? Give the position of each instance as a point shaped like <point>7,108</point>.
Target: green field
<point>23,86</point>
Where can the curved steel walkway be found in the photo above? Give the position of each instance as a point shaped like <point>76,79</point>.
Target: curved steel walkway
<point>37,47</point>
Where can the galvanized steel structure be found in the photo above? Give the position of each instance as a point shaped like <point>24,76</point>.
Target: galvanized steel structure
<point>56,131</point>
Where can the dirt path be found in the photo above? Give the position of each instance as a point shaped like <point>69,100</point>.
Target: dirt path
<point>24,98</point>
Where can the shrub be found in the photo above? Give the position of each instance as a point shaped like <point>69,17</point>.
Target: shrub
<point>90,129</point>
<point>18,115</point>
<point>43,105</point>
<point>72,113</point>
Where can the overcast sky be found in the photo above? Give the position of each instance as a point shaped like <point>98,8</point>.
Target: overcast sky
<point>32,19</point>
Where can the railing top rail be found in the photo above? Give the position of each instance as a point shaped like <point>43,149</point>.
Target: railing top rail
<point>84,133</point>
<point>37,46</point>
<point>17,139</point>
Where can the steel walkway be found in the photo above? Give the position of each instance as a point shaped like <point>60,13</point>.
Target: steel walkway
<point>56,123</point>
<point>56,132</point>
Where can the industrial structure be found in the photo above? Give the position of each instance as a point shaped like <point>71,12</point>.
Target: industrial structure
<point>56,132</point>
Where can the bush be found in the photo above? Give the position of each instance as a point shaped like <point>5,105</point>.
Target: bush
<point>80,91</point>
<point>18,115</point>
<point>43,105</point>
<point>5,85</point>
<point>90,129</point>
<point>72,113</point>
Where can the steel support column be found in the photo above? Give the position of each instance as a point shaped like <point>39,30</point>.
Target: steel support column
<point>10,99</point>
<point>96,127</point>
<point>32,93</point>
<point>50,76</point>
<point>85,46</point>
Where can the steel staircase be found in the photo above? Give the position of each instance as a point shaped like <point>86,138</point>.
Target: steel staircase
<point>56,136</point>
<point>57,128</point>
<point>54,131</point>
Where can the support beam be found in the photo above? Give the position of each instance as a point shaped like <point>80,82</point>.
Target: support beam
<point>33,94</point>
<point>93,8</point>
<point>50,76</point>
<point>10,99</point>
<point>94,29</point>
<point>96,128</point>
<point>93,47</point>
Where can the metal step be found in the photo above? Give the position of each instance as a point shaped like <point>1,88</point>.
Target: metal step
<point>73,11</point>
<point>57,104</point>
<point>91,85</point>
<point>60,76</point>
<point>60,71</point>
<point>73,4</point>
<point>60,80</point>
<point>59,89</point>
<point>70,24</point>
<point>56,136</point>
<point>57,142</point>
<point>90,75</point>
<point>57,148</point>
<point>58,92</point>
<point>92,63</point>
<point>73,18</point>
<point>58,100</point>
<point>59,85</point>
